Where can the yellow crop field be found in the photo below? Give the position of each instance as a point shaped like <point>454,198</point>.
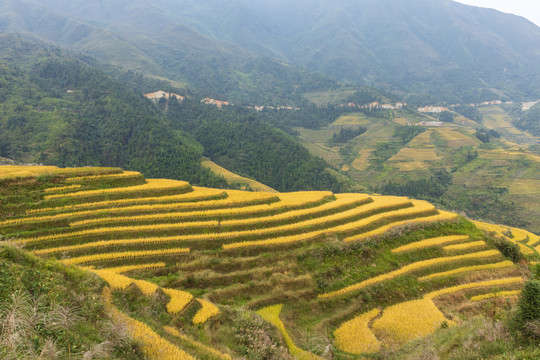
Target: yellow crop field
<point>496,295</point>
<point>378,205</point>
<point>422,141</point>
<point>362,160</point>
<point>276,241</point>
<point>409,320</point>
<point>123,255</point>
<point>121,282</point>
<point>409,268</point>
<point>206,312</point>
<point>174,332</point>
<point>355,336</point>
<point>441,216</point>
<point>352,119</point>
<point>178,300</point>
<point>437,241</point>
<point>456,139</point>
<point>499,230</point>
<point>62,188</point>
<point>14,171</point>
<point>153,345</point>
<point>465,246</point>
<point>413,159</point>
<point>488,283</point>
<point>287,201</point>
<point>422,209</point>
<point>115,280</point>
<point>206,251</point>
<point>124,174</point>
<point>235,200</point>
<point>271,314</point>
<point>127,268</point>
<point>346,199</point>
<point>232,178</point>
<point>152,184</point>
<point>466,269</point>
<point>198,194</point>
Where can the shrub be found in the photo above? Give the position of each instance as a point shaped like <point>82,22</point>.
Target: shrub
<point>527,318</point>
<point>508,249</point>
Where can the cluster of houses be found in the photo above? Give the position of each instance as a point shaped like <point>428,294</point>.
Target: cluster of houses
<point>375,105</point>
<point>156,96</point>
<point>163,94</point>
<point>371,106</point>
<point>433,109</point>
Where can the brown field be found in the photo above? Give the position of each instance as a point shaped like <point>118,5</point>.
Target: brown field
<point>456,139</point>
<point>352,119</point>
<point>525,186</point>
<point>362,161</point>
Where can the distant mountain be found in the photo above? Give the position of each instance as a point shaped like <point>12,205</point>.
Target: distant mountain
<point>140,36</point>
<point>441,48</point>
<point>430,50</point>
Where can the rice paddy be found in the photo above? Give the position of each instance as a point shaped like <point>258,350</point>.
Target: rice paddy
<point>200,251</point>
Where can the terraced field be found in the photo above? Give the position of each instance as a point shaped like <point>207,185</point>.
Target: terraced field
<point>367,272</point>
<point>232,178</point>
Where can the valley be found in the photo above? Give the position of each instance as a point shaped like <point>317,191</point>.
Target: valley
<point>268,180</point>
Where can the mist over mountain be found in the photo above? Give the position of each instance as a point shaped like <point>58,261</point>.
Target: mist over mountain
<point>427,49</point>
<point>438,47</point>
<point>139,36</point>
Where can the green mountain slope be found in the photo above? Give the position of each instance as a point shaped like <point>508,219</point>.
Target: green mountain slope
<point>141,37</point>
<point>59,110</point>
<point>98,122</point>
<point>439,49</point>
<point>487,169</point>
<point>530,120</point>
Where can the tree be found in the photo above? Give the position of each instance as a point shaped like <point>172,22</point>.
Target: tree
<point>446,116</point>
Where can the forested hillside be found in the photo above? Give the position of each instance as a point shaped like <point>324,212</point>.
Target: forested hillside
<point>65,113</point>
<point>70,113</point>
<point>431,49</point>
<point>530,120</point>
<point>242,142</point>
<point>254,51</point>
<point>140,36</point>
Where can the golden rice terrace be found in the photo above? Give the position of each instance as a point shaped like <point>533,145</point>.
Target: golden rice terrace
<point>340,274</point>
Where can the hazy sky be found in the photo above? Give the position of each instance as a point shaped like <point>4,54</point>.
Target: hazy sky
<point>529,9</point>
